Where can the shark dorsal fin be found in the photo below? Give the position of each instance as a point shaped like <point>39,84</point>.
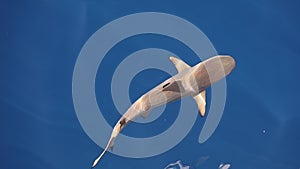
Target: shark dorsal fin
<point>179,64</point>
<point>200,100</point>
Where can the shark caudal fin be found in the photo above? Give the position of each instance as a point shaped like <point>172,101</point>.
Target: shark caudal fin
<point>97,159</point>
<point>201,102</point>
<point>179,64</point>
<point>109,145</point>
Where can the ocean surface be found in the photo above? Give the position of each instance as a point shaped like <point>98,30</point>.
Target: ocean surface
<point>40,41</point>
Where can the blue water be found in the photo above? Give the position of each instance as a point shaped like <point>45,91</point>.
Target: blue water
<point>40,42</point>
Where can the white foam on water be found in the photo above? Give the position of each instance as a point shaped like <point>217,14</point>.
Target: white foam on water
<point>176,165</point>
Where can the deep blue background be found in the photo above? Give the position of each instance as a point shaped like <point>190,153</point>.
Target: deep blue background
<point>41,39</point>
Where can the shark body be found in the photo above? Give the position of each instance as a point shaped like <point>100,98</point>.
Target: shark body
<point>190,81</point>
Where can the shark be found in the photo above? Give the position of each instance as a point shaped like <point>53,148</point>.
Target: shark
<point>189,81</point>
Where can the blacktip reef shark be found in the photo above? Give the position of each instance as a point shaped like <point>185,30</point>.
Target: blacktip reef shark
<point>190,81</point>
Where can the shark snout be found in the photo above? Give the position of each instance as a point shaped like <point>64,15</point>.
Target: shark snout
<point>228,63</point>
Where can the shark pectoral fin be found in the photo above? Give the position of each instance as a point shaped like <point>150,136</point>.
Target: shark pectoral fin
<point>145,114</point>
<point>200,100</point>
<point>179,64</point>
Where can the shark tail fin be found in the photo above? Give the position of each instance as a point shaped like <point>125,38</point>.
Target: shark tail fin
<point>109,145</point>
<point>100,156</point>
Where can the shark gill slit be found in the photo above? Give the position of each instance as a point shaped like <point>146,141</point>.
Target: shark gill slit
<point>166,85</point>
